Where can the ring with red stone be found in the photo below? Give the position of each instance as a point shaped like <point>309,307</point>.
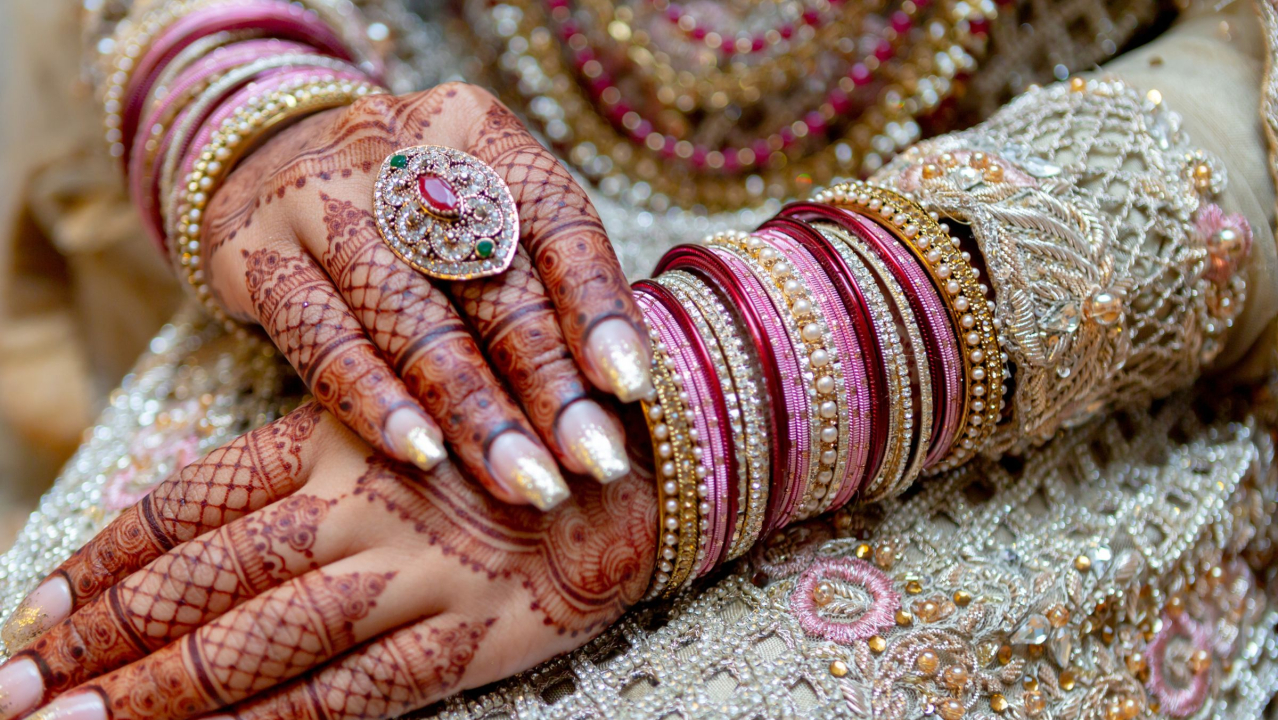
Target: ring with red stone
<point>446,213</point>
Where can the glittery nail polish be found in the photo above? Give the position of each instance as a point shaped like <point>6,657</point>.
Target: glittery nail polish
<point>621,356</point>
<point>593,440</point>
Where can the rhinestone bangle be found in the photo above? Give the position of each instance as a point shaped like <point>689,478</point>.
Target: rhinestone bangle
<point>675,445</point>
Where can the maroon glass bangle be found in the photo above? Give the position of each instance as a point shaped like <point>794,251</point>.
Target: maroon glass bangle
<point>841,277</point>
<point>276,19</point>
<point>701,360</point>
<point>931,335</point>
<point>714,271</point>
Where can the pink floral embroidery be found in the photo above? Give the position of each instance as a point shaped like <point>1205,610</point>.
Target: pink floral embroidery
<point>790,550</point>
<point>1179,689</point>
<point>845,620</point>
<point>1228,241</point>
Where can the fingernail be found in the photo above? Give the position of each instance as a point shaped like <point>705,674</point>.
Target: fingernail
<point>49,605</point>
<point>526,470</point>
<point>416,437</point>
<point>594,440</point>
<point>77,706</point>
<point>622,356</point>
<point>21,687</point>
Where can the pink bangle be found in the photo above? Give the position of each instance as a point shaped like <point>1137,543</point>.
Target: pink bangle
<point>278,19</point>
<point>854,431</point>
<point>667,336</point>
<point>938,333</point>
<point>711,421</point>
<point>715,271</point>
<point>799,411</point>
<point>142,171</point>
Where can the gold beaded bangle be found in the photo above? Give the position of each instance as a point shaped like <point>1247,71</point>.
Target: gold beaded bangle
<point>966,298</point>
<point>226,144</point>
<point>746,406</point>
<point>675,451</point>
<point>900,395</point>
<point>810,333</point>
<point>910,348</point>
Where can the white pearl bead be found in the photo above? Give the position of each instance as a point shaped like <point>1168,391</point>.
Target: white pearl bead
<point>819,358</point>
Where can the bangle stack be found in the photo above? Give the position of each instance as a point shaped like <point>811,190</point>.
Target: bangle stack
<point>193,84</point>
<point>836,354</point>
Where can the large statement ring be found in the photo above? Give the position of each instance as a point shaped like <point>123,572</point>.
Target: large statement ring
<point>446,213</point>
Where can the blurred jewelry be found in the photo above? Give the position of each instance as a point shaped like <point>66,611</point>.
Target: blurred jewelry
<point>446,213</point>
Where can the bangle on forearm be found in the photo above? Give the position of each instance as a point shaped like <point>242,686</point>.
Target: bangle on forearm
<point>193,93</point>
<point>201,117</point>
<point>254,113</point>
<point>747,404</point>
<point>908,378</point>
<point>966,297</point>
<point>677,459</point>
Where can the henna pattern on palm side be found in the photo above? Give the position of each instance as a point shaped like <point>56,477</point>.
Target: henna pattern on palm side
<point>181,591</point>
<point>393,675</point>
<point>249,473</point>
<point>582,564</point>
<point>273,638</point>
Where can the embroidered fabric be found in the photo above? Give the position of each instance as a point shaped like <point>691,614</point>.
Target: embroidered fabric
<point>1092,212</point>
<point>1085,576</point>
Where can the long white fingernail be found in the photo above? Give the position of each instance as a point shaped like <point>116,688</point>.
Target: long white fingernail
<point>416,438</point>
<point>76,706</point>
<point>49,605</point>
<point>21,687</point>
<point>593,439</point>
<point>527,470</point>
<point>622,356</point>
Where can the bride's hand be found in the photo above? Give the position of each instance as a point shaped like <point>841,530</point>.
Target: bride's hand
<point>297,547</point>
<point>409,363</point>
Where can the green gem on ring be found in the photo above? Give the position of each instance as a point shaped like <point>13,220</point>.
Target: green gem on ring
<point>399,162</point>
<point>484,248</point>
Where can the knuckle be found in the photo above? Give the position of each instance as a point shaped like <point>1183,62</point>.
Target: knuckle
<point>370,107</point>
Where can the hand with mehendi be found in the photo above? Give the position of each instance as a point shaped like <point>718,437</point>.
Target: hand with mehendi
<point>497,367</point>
<point>297,573</point>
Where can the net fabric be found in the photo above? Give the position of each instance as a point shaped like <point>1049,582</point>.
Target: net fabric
<point>1092,239</point>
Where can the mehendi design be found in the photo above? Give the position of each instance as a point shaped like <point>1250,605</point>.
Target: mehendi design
<point>582,564</point>
<point>301,310</point>
<point>247,474</point>
<point>271,639</point>
<point>180,591</point>
<point>559,227</point>
<point>403,671</point>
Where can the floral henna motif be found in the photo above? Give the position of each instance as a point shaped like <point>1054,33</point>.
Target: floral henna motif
<point>582,564</point>
<point>181,591</point>
<point>247,474</point>
<point>559,226</point>
<point>271,639</point>
<point>404,671</point>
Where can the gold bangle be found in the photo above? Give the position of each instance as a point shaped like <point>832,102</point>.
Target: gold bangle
<point>225,146</point>
<point>966,298</point>
<point>675,453</point>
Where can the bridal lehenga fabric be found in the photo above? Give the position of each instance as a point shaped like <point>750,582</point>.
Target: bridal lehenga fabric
<point>1109,552</point>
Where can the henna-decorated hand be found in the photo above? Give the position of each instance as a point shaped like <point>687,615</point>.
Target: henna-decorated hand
<point>291,243</point>
<point>296,574</point>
